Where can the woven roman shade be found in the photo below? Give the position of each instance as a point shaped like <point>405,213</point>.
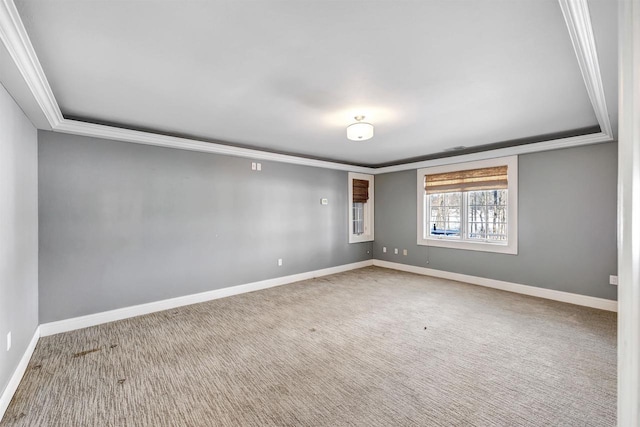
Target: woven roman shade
<point>493,178</point>
<point>360,191</point>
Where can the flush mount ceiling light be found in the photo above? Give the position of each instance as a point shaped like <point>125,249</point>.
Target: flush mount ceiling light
<point>360,131</point>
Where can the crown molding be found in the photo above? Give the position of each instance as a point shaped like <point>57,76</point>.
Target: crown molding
<point>554,144</point>
<point>15,38</point>
<point>578,19</point>
<point>576,13</point>
<point>147,138</point>
<point>119,134</point>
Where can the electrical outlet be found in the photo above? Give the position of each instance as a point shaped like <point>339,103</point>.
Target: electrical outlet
<point>9,341</point>
<point>324,201</point>
<point>404,252</point>
<point>384,249</point>
<point>279,262</point>
<point>395,251</point>
<point>259,166</point>
<point>613,280</point>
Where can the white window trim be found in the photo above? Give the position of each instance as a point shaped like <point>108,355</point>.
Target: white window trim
<point>368,210</point>
<point>511,247</point>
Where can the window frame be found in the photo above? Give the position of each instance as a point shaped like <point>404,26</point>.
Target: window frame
<point>368,211</point>
<point>510,247</point>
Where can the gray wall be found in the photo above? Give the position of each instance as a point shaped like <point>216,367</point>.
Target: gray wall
<point>576,185</point>
<point>18,234</point>
<point>124,224</point>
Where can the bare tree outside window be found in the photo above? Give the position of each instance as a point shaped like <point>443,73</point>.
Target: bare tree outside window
<point>445,214</point>
<point>487,215</point>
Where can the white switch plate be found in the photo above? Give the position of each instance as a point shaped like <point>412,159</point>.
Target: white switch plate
<point>395,251</point>
<point>259,166</point>
<point>324,201</point>
<point>404,252</point>
<point>613,280</point>
<point>279,261</point>
<point>253,166</point>
<point>9,341</point>
<point>384,249</point>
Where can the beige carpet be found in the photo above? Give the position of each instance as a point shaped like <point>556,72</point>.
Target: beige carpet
<point>371,347</point>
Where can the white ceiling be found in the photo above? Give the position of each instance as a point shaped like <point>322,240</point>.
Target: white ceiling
<point>288,76</point>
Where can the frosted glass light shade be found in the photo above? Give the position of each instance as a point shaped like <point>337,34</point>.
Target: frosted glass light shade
<point>360,131</point>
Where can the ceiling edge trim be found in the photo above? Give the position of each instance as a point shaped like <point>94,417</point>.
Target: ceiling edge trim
<point>578,19</point>
<point>138,137</point>
<point>119,134</point>
<point>14,36</point>
<point>554,144</point>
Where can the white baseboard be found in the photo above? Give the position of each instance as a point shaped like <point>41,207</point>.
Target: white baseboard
<point>587,301</point>
<point>66,325</point>
<point>12,386</point>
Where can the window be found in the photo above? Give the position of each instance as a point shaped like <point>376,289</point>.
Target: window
<point>360,207</point>
<point>470,206</point>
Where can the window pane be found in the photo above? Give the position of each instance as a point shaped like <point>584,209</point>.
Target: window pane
<point>358,218</point>
<point>487,215</point>
<point>436,199</point>
<point>453,199</point>
<point>444,214</point>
